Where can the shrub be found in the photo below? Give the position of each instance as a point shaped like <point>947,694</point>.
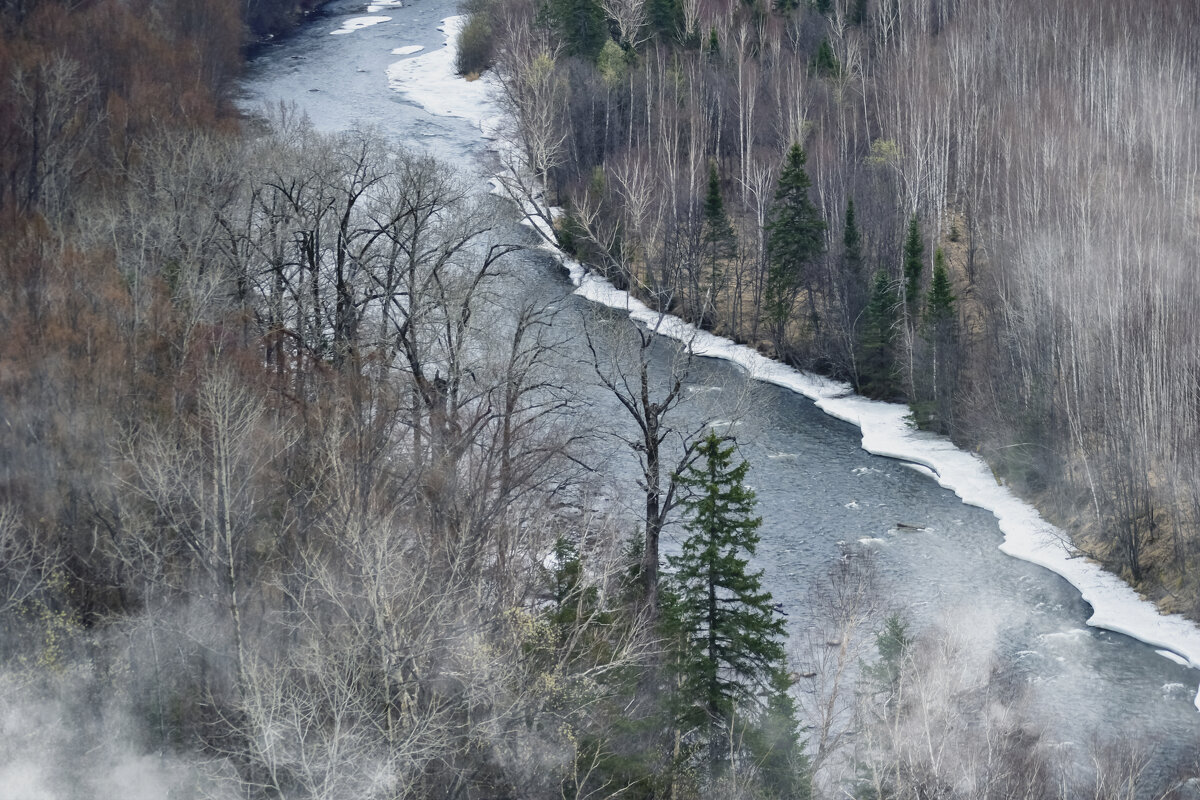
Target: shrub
<point>475,45</point>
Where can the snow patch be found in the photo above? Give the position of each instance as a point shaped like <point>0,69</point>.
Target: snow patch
<point>1178,659</point>
<point>429,80</point>
<point>408,49</point>
<point>358,23</point>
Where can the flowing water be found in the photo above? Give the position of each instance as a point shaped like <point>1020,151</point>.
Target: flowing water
<point>818,491</point>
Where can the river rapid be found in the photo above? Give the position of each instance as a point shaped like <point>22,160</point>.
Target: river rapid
<point>820,494</point>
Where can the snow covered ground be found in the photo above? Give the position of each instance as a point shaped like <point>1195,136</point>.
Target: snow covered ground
<point>430,81</point>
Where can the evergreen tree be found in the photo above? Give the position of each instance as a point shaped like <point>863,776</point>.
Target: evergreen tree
<point>854,285</point>
<point>795,236</point>
<point>720,241</point>
<point>852,242</point>
<point>665,17</point>
<point>939,306</point>
<point>941,331</point>
<point>858,12</point>
<point>877,368</point>
<point>730,661</point>
<point>825,63</point>
<point>913,251</point>
<point>582,25</point>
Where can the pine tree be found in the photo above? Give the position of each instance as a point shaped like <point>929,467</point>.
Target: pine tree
<point>730,662</point>
<point>795,236</point>
<point>939,306</point>
<point>941,331</point>
<point>854,284</point>
<point>876,360</point>
<point>913,251</point>
<point>719,239</point>
<point>858,12</point>
<point>852,242</point>
<point>582,25</point>
<point>825,63</point>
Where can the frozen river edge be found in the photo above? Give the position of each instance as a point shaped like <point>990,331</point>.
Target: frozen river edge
<point>430,81</point>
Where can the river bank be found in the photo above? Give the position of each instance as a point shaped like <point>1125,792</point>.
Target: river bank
<point>886,427</point>
<point>950,572</point>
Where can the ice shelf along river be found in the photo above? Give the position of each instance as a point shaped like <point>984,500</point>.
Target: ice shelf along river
<point>969,563</point>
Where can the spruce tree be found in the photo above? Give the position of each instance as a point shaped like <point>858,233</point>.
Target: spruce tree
<point>854,283</point>
<point>729,664</point>
<point>795,237</point>
<point>858,12</point>
<point>939,306</point>
<point>825,63</point>
<point>720,241</point>
<point>913,252</point>
<point>582,25</point>
<point>877,369</point>
<point>852,242</point>
<point>941,331</point>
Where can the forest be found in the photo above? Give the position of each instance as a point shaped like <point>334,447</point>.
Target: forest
<point>297,495</point>
<point>985,210</point>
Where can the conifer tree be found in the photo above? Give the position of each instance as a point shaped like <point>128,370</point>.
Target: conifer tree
<point>720,241</point>
<point>825,63</point>
<point>913,251</point>
<point>851,242</point>
<point>730,661</point>
<point>876,361</point>
<point>854,284</point>
<point>795,236</point>
<point>939,306</point>
<point>941,331</point>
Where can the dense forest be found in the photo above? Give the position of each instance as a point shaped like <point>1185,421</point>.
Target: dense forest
<point>984,209</point>
<point>297,495</point>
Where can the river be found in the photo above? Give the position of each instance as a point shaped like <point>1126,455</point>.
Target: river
<point>819,491</point>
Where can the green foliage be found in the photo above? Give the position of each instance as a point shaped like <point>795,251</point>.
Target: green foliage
<point>852,258</point>
<point>718,236</point>
<point>795,237</point>
<point>569,233</point>
<point>776,746</point>
<point>825,63</point>
<point>913,252</point>
<point>581,24</point>
<point>714,44</point>
<point>611,63</point>
<point>877,369</point>
<point>858,12</point>
<point>476,44</point>
<point>729,658</point>
<point>665,17</point>
<point>894,644</point>
<point>939,305</point>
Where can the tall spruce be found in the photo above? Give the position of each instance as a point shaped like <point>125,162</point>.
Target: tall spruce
<point>854,285</point>
<point>939,306</point>
<point>877,366</point>
<point>941,331</point>
<point>718,236</point>
<point>914,250</point>
<point>795,237</point>
<point>729,663</point>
